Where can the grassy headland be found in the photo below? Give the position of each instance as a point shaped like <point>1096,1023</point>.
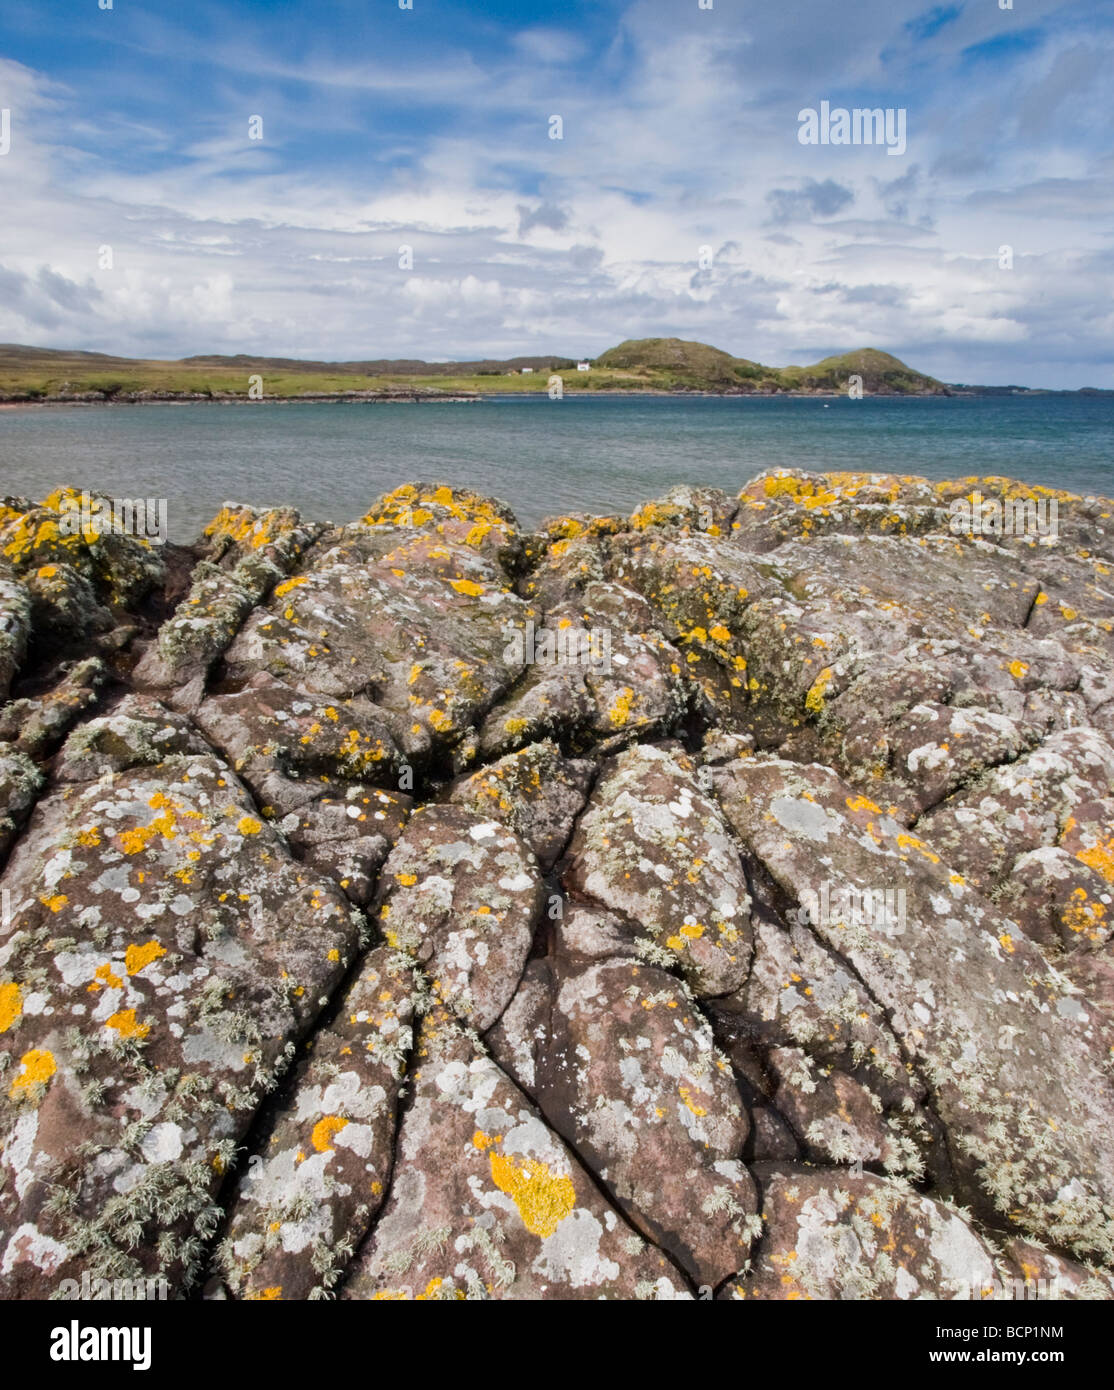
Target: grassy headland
<point>29,375</point>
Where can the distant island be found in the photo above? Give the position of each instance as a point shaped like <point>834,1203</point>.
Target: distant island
<point>673,366</point>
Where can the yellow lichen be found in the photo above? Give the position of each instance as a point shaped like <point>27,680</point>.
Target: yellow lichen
<point>1100,857</point>
<point>814,700</point>
<point>619,712</point>
<point>126,1024</point>
<point>11,1004</point>
<point>137,958</point>
<point>324,1130</point>
<point>105,978</point>
<point>36,1069</point>
<point>543,1199</point>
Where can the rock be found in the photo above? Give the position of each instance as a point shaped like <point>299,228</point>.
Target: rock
<point>589,933</point>
<point>695,508</point>
<point>383,650</point>
<point>81,569</point>
<point>596,676</point>
<point>15,625</point>
<point>1017,808</point>
<point>37,724</point>
<point>488,1203</point>
<point>536,791</point>
<point>1039,1274</point>
<point>623,1065</point>
<point>832,1235</point>
<point>136,732</point>
<point>20,781</point>
<point>319,1172</point>
<point>654,848</point>
<point>249,552</point>
<point>1056,899</point>
<point>820,1054</point>
<point>837,1117</point>
<point>745,866</point>
<point>460,893</point>
<point>164,955</point>
<point>973,1002</point>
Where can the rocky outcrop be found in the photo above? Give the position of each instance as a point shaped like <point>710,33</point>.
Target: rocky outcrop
<point>714,902</point>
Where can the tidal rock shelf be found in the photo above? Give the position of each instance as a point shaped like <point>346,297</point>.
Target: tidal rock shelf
<point>756,946</point>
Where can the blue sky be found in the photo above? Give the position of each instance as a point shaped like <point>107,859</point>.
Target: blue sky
<point>679,201</point>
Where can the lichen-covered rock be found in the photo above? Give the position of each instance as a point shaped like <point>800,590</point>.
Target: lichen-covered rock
<point>460,893</point>
<point>1026,804</point>
<point>1039,1274</point>
<point>1017,1067</point>
<point>81,562</point>
<point>137,732</point>
<point>20,781</point>
<point>37,724</point>
<point>318,1172</point>
<point>653,847</point>
<point>623,1065</point>
<point>386,647</point>
<point>838,1118</point>
<point>599,675</point>
<point>15,625</point>
<point>767,840</point>
<point>705,509</point>
<point>818,1052</point>
<point>249,553</point>
<point>701,587</point>
<point>488,1203</point>
<point>1057,900</point>
<point>164,955</point>
<point>535,791</point>
<point>455,515</point>
<point>835,1235</point>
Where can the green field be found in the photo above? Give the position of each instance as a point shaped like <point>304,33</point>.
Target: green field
<point>649,364</point>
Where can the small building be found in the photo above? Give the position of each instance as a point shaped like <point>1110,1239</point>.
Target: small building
<point>583,366</point>
<point>527,371</point>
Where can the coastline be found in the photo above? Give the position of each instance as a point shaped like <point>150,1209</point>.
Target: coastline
<point>421,398</point>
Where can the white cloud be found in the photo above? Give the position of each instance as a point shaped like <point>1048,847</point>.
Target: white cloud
<point>686,138</point>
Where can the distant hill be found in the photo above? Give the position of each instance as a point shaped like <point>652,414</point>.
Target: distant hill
<point>696,366</point>
<point>637,365</point>
<point>691,363</point>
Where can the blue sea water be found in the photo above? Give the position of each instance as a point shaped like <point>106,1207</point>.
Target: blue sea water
<point>586,454</point>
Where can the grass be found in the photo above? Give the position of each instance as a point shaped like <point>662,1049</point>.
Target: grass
<point>649,364</point>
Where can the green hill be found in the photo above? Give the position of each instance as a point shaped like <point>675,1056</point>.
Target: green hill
<point>882,374</point>
<point>689,363</point>
<point>639,364</point>
<point>677,364</point>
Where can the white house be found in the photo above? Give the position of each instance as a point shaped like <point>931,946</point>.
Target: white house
<point>583,366</point>
<point>526,371</point>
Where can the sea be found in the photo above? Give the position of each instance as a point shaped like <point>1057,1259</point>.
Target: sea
<point>598,454</point>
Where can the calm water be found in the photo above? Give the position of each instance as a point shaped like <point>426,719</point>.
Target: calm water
<point>539,456</point>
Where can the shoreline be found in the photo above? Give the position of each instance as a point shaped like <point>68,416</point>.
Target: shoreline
<point>460,399</point>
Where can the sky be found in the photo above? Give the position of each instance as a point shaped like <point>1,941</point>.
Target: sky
<point>679,200</point>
